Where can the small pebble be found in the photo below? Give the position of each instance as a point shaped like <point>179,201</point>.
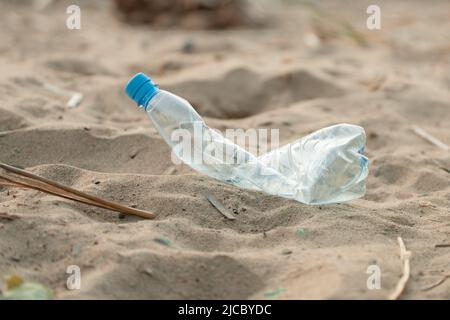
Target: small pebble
<point>162,241</point>
<point>134,154</point>
<point>373,135</point>
<point>188,46</point>
<point>301,231</point>
<point>76,250</point>
<point>148,271</point>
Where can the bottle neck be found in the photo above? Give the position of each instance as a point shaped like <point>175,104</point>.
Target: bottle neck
<point>147,99</point>
<point>152,100</point>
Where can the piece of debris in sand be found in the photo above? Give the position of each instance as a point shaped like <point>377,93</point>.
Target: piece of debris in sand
<point>188,46</point>
<point>442,245</point>
<point>148,271</point>
<point>134,154</point>
<point>425,204</point>
<point>75,98</point>
<point>312,40</point>
<point>220,207</point>
<point>76,250</point>
<point>404,256</point>
<point>18,289</point>
<point>162,241</point>
<point>169,171</point>
<point>431,139</point>
<point>436,284</point>
<point>16,177</point>
<point>441,166</point>
<point>301,232</point>
<point>273,294</point>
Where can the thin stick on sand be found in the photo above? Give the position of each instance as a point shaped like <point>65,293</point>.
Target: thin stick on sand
<point>441,166</point>
<point>12,176</point>
<point>438,283</point>
<point>404,256</point>
<point>219,206</point>
<point>442,245</point>
<point>433,140</point>
<point>75,97</point>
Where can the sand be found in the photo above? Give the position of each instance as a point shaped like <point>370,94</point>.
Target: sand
<point>245,78</point>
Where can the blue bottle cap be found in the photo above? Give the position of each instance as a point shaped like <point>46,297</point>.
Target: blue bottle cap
<point>141,89</point>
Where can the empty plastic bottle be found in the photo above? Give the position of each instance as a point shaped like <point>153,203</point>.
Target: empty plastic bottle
<point>327,166</point>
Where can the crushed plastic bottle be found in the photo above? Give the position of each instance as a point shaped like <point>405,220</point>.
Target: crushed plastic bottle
<point>327,166</point>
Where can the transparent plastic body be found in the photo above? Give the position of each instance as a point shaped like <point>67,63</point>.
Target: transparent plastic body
<point>327,166</point>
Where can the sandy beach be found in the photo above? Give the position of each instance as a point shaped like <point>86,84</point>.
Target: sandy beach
<point>293,75</point>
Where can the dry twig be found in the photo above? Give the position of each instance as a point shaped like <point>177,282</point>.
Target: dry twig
<point>431,139</point>
<point>13,176</point>
<point>404,256</point>
<point>442,245</point>
<point>438,283</point>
